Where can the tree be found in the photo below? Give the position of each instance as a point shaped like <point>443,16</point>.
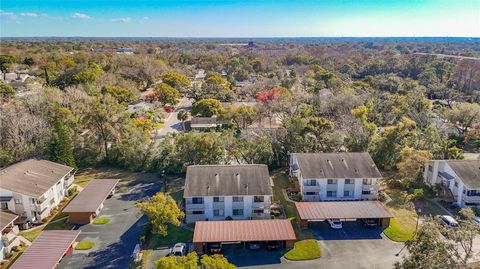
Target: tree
<point>242,116</point>
<point>6,62</point>
<point>428,250</point>
<point>6,90</point>
<point>215,87</point>
<point>182,116</point>
<point>216,261</point>
<point>206,108</point>
<point>61,146</point>
<point>161,210</point>
<point>465,234</point>
<point>90,74</point>
<point>123,95</point>
<point>176,80</point>
<point>412,162</point>
<point>464,116</point>
<point>174,262</point>
<point>362,132</point>
<point>166,94</point>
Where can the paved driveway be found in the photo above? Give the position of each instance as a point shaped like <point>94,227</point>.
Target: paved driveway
<point>172,124</point>
<point>352,247</point>
<point>114,241</point>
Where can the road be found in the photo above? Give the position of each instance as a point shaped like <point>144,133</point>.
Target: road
<point>172,124</point>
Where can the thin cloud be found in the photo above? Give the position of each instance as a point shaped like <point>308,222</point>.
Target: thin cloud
<point>9,15</point>
<point>146,18</point>
<point>125,20</point>
<point>29,14</point>
<point>82,16</point>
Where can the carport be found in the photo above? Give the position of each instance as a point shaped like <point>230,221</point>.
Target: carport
<point>344,210</point>
<point>88,203</point>
<point>47,250</point>
<point>242,231</point>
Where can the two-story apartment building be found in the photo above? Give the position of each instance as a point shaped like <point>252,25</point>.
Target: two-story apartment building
<point>33,187</point>
<point>217,192</point>
<point>8,239</point>
<point>460,177</point>
<point>335,176</point>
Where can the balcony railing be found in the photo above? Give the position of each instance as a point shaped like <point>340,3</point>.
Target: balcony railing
<point>194,206</point>
<point>260,205</point>
<point>41,206</point>
<point>9,238</point>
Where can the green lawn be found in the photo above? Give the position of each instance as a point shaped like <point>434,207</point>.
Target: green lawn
<point>84,245</point>
<point>32,234</point>
<point>175,235</point>
<point>101,221</point>
<point>399,231</point>
<point>59,215</point>
<point>59,225</point>
<point>304,250</point>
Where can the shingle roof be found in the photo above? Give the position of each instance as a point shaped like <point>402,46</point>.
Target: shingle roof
<point>342,210</point>
<point>47,250</point>
<point>468,171</point>
<point>226,180</point>
<point>203,120</point>
<point>6,219</point>
<point>90,198</point>
<point>337,165</point>
<point>243,230</point>
<point>32,177</point>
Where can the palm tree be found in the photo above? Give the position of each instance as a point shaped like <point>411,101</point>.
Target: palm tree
<point>182,116</point>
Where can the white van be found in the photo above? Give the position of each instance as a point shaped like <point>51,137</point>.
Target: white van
<point>448,221</point>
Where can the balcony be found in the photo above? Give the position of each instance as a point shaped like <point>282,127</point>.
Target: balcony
<point>68,182</point>
<point>41,205</point>
<point>370,187</point>
<point>192,206</point>
<point>237,205</point>
<point>218,205</point>
<point>311,187</point>
<point>261,205</point>
<point>259,215</point>
<point>471,199</point>
<point>9,237</point>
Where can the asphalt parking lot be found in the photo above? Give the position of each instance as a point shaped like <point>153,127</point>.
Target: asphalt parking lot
<point>354,246</point>
<point>241,256</point>
<point>114,241</point>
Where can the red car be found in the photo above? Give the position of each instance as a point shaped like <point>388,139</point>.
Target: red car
<point>169,109</point>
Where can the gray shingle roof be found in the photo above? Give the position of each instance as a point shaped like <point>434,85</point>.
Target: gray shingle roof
<point>6,219</point>
<point>227,180</point>
<point>90,198</point>
<point>337,165</point>
<point>468,171</point>
<point>32,177</point>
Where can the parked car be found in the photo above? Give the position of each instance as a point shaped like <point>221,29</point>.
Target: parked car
<point>179,249</point>
<point>476,220</point>
<point>254,245</point>
<point>215,248</point>
<point>370,223</point>
<point>272,245</point>
<point>448,221</point>
<point>335,224</point>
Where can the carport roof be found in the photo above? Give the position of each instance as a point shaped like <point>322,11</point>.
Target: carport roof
<point>47,250</point>
<point>6,219</point>
<point>342,210</point>
<point>90,198</point>
<point>243,230</point>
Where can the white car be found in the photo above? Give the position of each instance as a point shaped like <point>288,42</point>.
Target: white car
<point>448,221</point>
<point>335,224</point>
<point>476,220</point>
<point>179,249</point>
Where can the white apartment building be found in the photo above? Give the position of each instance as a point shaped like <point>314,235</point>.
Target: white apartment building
<point>460,179</point>
<point>219,192</point>
<point>335,176</point>
<point>33,187</point>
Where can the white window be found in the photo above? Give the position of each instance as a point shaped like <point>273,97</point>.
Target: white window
<point>367,181</point>
<point>218,199</point>
<point>348,181</point>
<point>17,201</point>
<point>238,212</point>
<point>258,211</point>
<point>237,198</point>
<point>218,212</point>
<point>331,194</point>
<point>332,181</point>
<point>258,199</point>
<point>346,194</point>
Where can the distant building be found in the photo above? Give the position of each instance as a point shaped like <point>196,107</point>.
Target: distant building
<point>335,176</point>
<point>9,238</point>
<point>219,192</point>
<point>33,187</point>
<point>459,179</point>
<point>125,50</point>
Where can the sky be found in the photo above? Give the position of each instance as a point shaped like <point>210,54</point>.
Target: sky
<point>236,18</point>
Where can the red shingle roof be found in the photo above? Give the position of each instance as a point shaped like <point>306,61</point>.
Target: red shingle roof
<point>243,230</point>
<point>342,210</point>
<point>90,198</point>
<point>47,250</point>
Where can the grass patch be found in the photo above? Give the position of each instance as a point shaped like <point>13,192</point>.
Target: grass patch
<point>59,225</point>
<point>147,256</point>
<point>84,245</point>
<point>59,215</point>
<point>280,181</point>
<point>177,195</point>
<point>122,190</point>
<point>304,250</point>
<point>402,225</point>
<point>398,231</point>
<point>175,235</point>
<point>101,221</point>
<point>82,181</point>
<point>31,234</point>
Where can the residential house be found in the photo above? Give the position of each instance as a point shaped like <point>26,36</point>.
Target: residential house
<point>33,187</point>
<point>335,176</point>
<point>459,179</point>
<point>9,239</point>
<point>219,192</point>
